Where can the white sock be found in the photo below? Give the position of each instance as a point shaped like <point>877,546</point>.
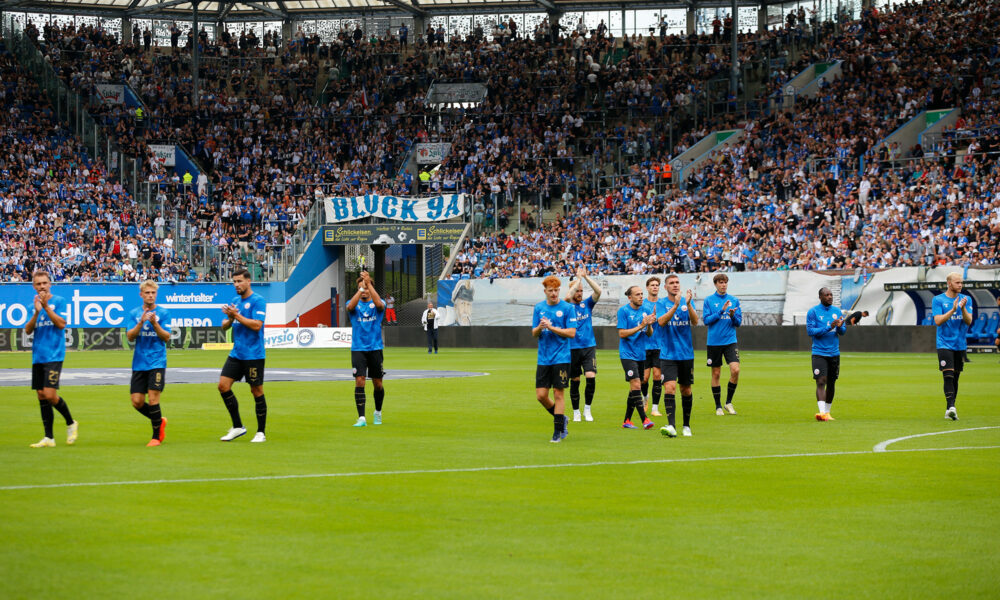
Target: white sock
<point>378,413</point>
<point>361,418</point>
<point>576,413</point>
<point>829,406</point>
<point>821,406</point>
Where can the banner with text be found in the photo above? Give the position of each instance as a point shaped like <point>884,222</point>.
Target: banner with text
<point>431,153</point>
<point>456,93</point>
<point>307,337</point>
<point>396,208</point>
<point>110,93</point>
<point>392,233</point>
<point>165,153</point>
<point>108,305</point>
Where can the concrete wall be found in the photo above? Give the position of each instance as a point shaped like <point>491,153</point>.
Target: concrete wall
<point>701,152</point>
<point>858,339</point>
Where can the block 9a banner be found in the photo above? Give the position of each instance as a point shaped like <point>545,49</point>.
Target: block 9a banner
<point>395,208</point>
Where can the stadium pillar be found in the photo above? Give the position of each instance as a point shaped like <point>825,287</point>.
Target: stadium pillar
<point>194,54</point>
<point>691,20</point>
<point>762,17</point>
<point>126,27</point>
<point>735,55</point>
<point>379,265</point>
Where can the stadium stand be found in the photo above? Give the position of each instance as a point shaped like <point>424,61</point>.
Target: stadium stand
<point>582,124</point>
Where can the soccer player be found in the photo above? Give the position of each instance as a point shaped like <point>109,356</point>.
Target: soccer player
<point>723,315</point>
<point>553,322</point>
<point>677,315</point>
<point>365,309</point>
<point>952,317</point>
<point>48,349</point>
<point>635,326</point>
<point>825,324</point>
<point>150,331</point>
<point>245,314</point>
<point>583,346</point>
<point>651,366</point>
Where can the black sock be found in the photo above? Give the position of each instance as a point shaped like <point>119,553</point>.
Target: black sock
<point>949,388</point>
<point>831,388</point>
<point>730,390</point>
<point>630,404</point>
<point>48,416</point>
<point>261,405</point>
<point>670,405</point>
<point>574,393</point>
<point>588,390</point>
<point>233,406</point>
<point>359,399</point>
<point>156,418</point>
<point>645,389</point>
<point>686,403</point>
<point>657,390</point>
<point>64,411</point>
<point>958,374</point>
<point>559,422</point>
<point>143,410</point>
<point>379,394</point>
<point>717,395</point>
<point>639,408</point>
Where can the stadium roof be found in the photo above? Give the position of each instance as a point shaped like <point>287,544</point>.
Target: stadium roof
<point>291,9</point>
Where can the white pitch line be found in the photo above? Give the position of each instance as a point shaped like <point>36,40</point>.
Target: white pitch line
<point>468,469</point>
<point>881,446</point>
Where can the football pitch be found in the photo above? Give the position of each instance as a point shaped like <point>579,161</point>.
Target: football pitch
<point>459,494</point>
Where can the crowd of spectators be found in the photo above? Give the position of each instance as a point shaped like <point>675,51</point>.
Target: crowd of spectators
<point>575,119</point>
<point>768,203</point>
<point>61,211</point>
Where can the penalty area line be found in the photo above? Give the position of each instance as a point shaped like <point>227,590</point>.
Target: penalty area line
<point>471,469</point>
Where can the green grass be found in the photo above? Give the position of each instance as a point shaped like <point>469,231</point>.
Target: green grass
<point>862,525</point>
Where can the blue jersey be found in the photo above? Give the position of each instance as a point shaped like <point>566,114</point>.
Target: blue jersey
<point>366,326</point>
<point>584,325</point>
<point>150,351</point>
<point>653,341</point>
<point>632,347</point>
<point>49,342</point>
<point>554,349</point>
<point>721,327</point>
<point>826,340</point>
<point>247,343</point>
<point>951,333</point>
<point>675,337</point>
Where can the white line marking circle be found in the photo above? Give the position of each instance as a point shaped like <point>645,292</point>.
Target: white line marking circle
<point>881,446</point>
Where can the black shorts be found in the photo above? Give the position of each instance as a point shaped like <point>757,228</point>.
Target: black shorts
<point>144,381</point>
<point>681,371</point>
<point>729,352</point>
<point>367,363</point>
<point>584,361</point>
<point>552,376</point>
<point>652,359</point>
<point>951,360</point>
<point>251,370</point>
<point>633,368</point>
<point>826,366</point>
<point>46,375</point>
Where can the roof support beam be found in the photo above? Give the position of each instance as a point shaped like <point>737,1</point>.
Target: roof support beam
<point>413,9</point>
<point>267,9</point>
<point>155,7</point>
<point>225,8</point>
<point>548,6</point>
